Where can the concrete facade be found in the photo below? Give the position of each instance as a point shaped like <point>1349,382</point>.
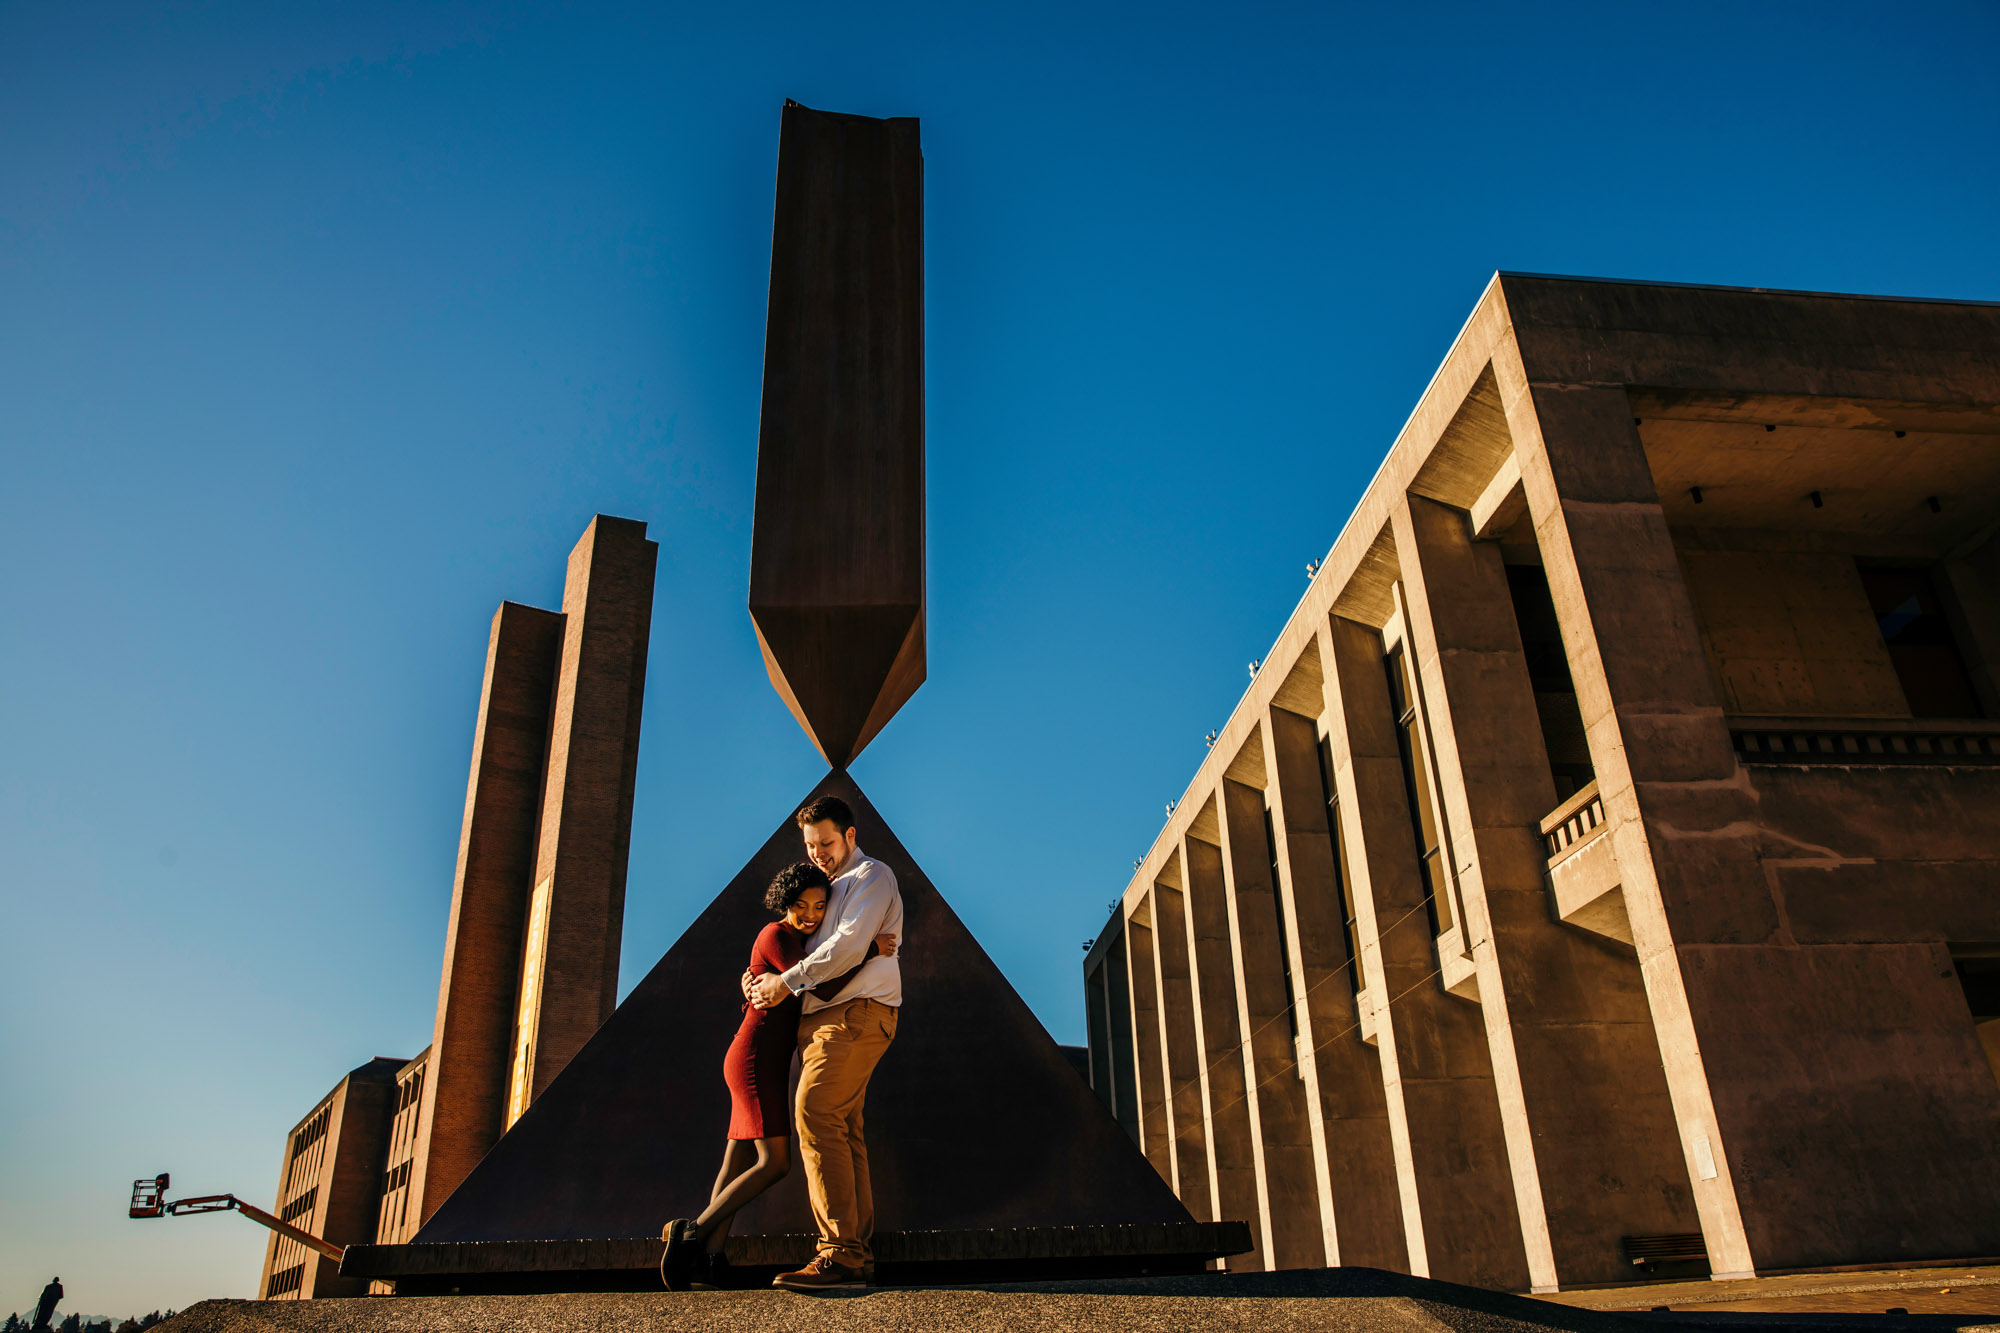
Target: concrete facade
<point>1606,845</point>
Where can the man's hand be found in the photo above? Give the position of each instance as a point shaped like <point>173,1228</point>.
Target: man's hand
<point>748,977</point>
<point>885,944</point>
<point>767,991</point>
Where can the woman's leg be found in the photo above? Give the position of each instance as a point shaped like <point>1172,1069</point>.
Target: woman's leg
<point>737,1157</point>
<point>774,1160</point>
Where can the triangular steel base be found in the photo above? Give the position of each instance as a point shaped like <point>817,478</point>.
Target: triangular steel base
<point>974,1118</point>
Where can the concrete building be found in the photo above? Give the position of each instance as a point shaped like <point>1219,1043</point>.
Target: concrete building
<point>537,913</point>
<point>1606,848</point>
<point>329,1181</point>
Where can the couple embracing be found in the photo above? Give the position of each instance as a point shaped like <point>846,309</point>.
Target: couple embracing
<point>823,981</point>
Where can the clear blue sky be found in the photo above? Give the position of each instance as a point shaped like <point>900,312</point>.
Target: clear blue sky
<point>324,328</point>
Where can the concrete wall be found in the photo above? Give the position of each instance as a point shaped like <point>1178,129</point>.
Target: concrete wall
<point>1790,633</point>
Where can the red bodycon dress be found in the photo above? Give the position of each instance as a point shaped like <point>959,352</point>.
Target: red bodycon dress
<point>758,1068</point>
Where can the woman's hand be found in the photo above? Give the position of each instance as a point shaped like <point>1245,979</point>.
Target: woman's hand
<point>885,944</point>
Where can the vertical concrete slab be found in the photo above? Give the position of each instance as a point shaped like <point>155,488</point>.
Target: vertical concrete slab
<point>1234,1178</point>
<point>576,908</point>
<point>1354,1167</point>
<point>1972,586</point>
<point>1459,1216</point>
<point>1181,1042</point>
<point>1275,1096</point>
<point>1681,817</point>
<point>464,1104</point>
<point>1590,1130</point>
<point>1149,1057</point>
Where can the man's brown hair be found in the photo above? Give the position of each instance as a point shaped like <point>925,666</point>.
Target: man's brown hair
<point>827,807</point>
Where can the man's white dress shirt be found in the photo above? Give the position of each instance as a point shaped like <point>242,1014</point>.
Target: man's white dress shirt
<point>864,903</point>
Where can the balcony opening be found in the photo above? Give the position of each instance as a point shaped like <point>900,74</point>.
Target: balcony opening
<point>1548,670</point>
<point>1921,646</point>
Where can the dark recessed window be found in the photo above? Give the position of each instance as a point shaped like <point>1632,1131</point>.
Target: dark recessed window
<point>1920,642</point>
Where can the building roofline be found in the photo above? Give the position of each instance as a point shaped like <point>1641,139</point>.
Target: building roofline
<point>1745,291</point>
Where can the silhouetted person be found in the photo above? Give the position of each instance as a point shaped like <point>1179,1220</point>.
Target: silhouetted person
<point>51,1296</point>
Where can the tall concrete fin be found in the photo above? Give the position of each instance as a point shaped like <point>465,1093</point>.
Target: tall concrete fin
<point>975,1118</point>
<point>837,545</point>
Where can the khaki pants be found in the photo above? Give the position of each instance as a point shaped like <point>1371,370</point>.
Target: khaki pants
<point>838,1049</point>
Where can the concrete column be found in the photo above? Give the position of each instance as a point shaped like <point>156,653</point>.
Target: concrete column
<point>464,1104</point>
<point>1123,1060</point>
<point>1973,582</point>
<point>1459,1218</point>
<point>576,908</point>
<point>1354,1167</point>
<point>1589,1125</point>
<point>1681,819</point>
<point>1155,1131</point>
<point>1234,1176</point>
<point>1280,1129</point>
<point>1181,1041</point>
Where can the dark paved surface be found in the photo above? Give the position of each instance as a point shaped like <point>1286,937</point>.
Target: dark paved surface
<point>1351,1300</point>
<point>1337,1301</point>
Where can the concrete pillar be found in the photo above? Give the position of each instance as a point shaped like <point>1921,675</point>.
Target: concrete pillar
<point>1123,1061</point>
<point>1662,753</point>
<point>464,1104</point>
<point>576,908</point>
<point>1231,1129</point>
<point>1972,582</point>
<point>1186,1113</point>
<point>1589,1125</point>
<point>1354,1167</point>
<point>1459,1219</point>
<point>1275,1097</point>
<point>1149,1061</point>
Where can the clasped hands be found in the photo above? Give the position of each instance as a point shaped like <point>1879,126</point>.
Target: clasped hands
<point>765,990</point>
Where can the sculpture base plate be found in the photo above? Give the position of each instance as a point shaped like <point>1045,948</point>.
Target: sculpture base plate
<point>902,1258</point>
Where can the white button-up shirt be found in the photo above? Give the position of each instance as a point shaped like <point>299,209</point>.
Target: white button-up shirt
<point>864,903</point>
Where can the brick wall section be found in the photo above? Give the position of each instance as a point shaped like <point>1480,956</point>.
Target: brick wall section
<point>586,818</point>
<point>465,1091</point>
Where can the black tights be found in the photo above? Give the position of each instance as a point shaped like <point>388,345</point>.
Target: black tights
<point>749,1167</point>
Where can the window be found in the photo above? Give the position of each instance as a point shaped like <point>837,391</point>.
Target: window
<point>1918,635</point>
<point>1416,779</point>
<point>1339,837</point>
<point>1284,936</point>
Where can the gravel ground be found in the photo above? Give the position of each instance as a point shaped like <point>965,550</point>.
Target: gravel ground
<point>1339,1301</point>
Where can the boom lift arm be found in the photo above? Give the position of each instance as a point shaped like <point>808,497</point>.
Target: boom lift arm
<point>149,1199</point>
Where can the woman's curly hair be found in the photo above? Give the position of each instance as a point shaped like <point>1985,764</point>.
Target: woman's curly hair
<point>791,882</point>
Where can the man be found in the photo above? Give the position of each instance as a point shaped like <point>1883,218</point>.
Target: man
<point>51,1296</point>
<point>841,1039</point>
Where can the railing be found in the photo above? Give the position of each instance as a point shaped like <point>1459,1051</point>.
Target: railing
<point>1572,821</point>
<point>1865,743</point>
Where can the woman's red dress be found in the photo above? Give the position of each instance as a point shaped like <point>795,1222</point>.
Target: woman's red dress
<point>758,1068</point>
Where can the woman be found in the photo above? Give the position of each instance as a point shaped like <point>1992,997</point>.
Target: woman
<point>757,1069</point>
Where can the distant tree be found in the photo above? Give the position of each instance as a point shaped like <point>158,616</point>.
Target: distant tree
<point>72,1323</point>
<point>13,1324</point>
<point>150,1320</point>
<point>129,1326</point>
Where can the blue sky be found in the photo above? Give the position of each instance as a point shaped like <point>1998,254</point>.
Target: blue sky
<point>327,327</point>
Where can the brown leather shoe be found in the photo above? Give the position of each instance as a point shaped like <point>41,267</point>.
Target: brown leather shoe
<point>824,1273</point>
